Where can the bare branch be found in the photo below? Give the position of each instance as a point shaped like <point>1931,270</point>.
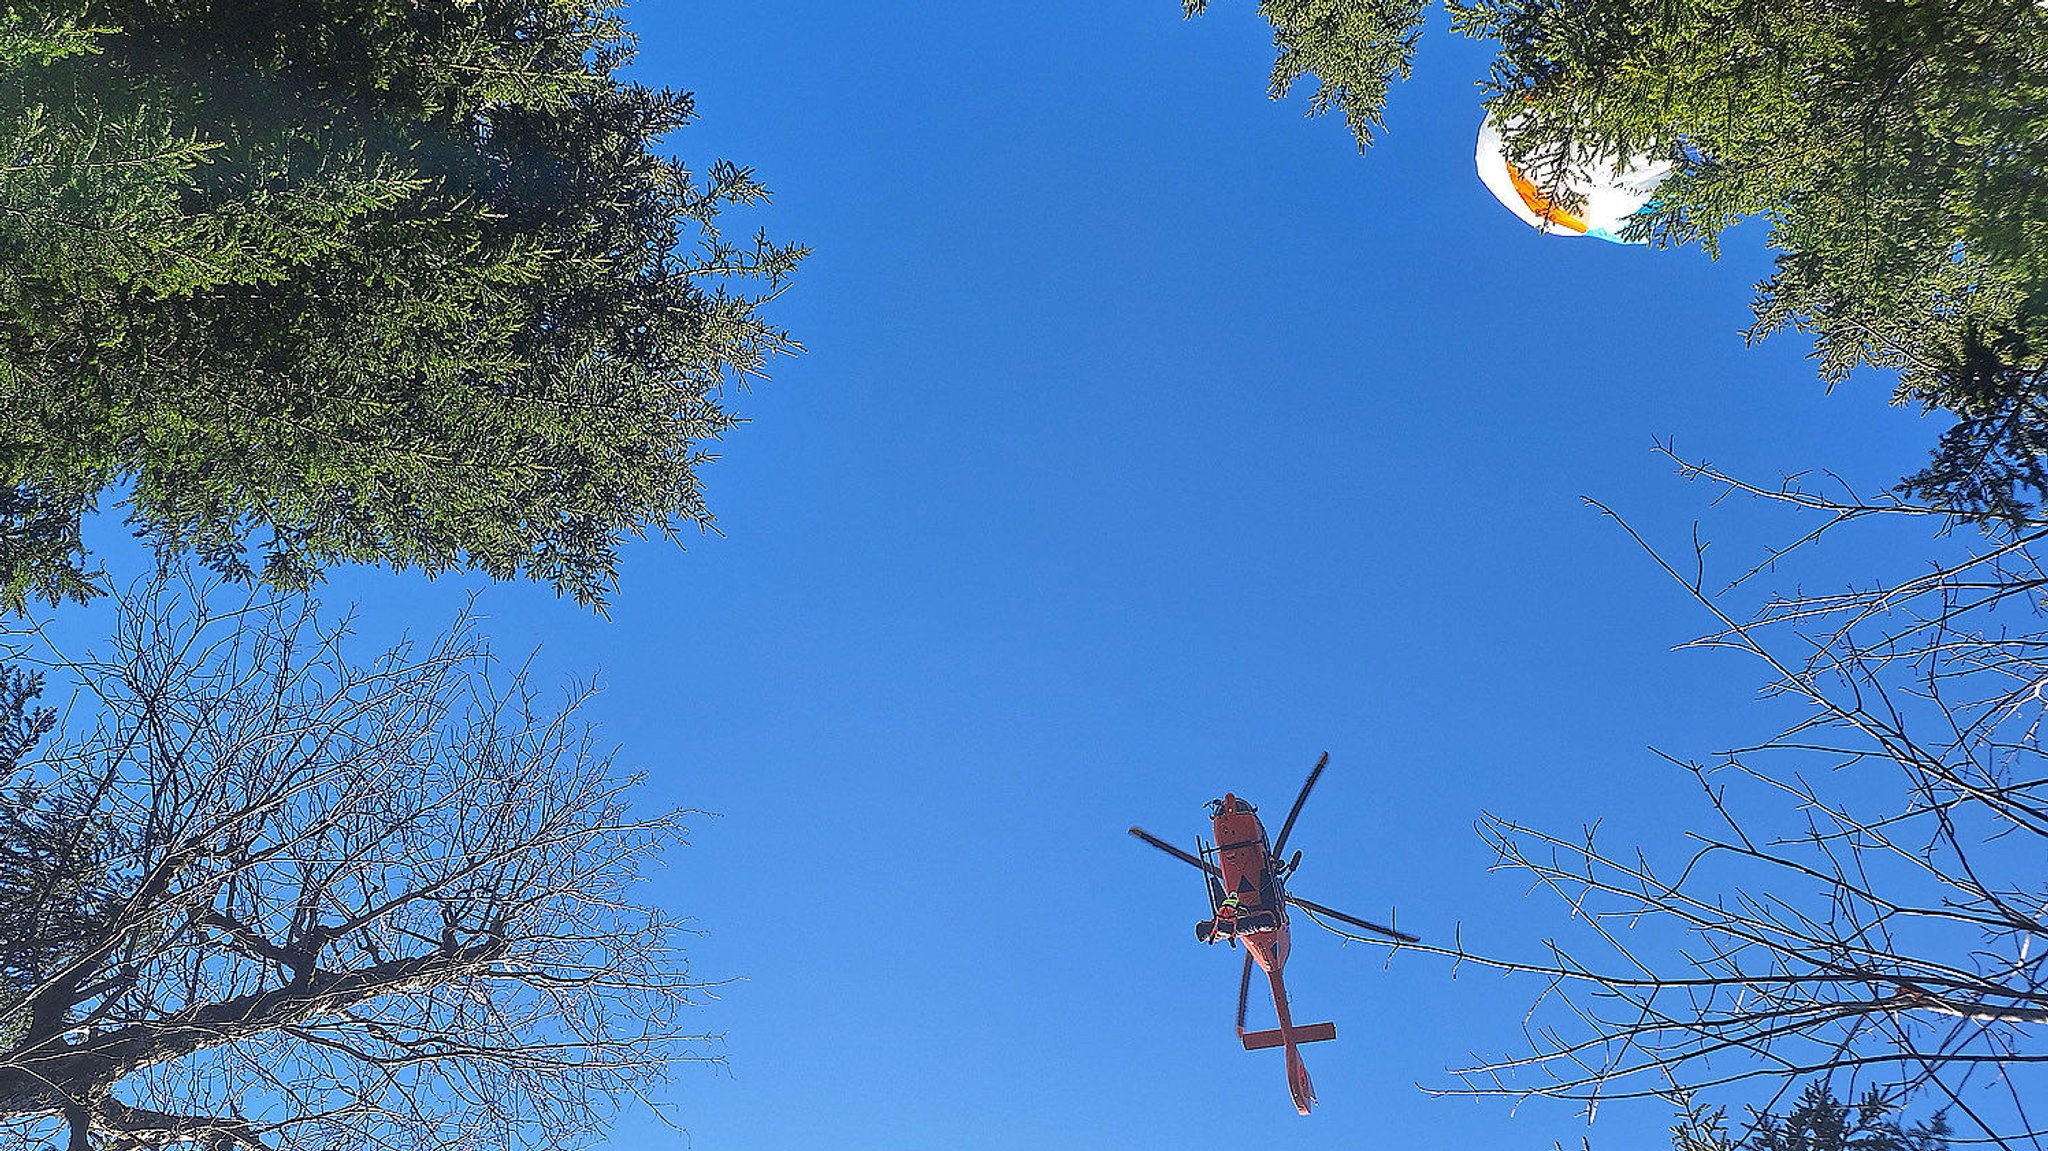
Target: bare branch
<point>329,903</point>
<point>1866,899</point>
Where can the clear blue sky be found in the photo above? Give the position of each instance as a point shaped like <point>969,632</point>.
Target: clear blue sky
<point>1150,441</point>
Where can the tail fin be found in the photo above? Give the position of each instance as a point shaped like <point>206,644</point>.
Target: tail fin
<point>1303,1091</point>
<point>1306,1033</point>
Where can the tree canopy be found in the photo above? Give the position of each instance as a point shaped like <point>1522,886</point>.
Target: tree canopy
<point>1817,1122</point>
<point>1898,153</point>
<point>261,894</point>
<point>1858,894</point>
<point>1354,50</point>
<point>338,282</point>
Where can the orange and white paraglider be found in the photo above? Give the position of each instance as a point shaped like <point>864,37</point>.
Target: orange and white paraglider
<point>1611,193</point>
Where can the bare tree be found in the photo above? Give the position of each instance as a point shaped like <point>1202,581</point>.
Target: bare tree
<point>280,899</point>
<point>1866,895</point>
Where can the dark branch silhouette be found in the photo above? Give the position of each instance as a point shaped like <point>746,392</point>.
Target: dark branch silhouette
<point>1863,894</point>
<point>269,897</point>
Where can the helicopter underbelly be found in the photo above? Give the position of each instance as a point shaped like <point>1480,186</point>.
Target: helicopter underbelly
<point>1241,855</point>
<point>1268,948</point>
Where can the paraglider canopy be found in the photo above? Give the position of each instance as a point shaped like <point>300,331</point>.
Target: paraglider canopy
<point>1611,193</point>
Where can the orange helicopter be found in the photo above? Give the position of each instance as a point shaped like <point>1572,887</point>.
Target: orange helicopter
<point>1248,901</point>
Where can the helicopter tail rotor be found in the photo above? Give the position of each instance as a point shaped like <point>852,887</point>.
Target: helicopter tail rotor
<point>1298,1084</point>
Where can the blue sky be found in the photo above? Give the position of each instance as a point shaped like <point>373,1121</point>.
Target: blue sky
<point>1150,441</point>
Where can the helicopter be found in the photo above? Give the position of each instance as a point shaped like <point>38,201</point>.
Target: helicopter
<point>1248,901</point>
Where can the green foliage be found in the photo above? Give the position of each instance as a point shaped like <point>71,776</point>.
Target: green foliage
<point>1354,49</point>
<point>1897,151</point>
<point>55,891</point>
<point>1700,1128</point>
<point>55,888</point>
<point>1818,1122</point>
<point>1821,1123</point>
<point>357,282</point>
<point>40,37</point>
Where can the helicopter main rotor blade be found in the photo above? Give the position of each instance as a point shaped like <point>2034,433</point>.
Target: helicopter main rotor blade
<point>1176,852</point>
<point>1244,989</point>
<point>1293,813</point>
<point>1353,920</point>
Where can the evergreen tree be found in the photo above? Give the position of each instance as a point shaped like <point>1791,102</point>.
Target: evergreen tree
<point>56,888</point>
<point>1818,1122</point>
<point>384,283</point>
<point>1354,50</point>
<point>1898,152</point>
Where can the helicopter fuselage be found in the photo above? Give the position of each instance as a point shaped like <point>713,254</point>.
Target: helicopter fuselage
<point>1249,901</point>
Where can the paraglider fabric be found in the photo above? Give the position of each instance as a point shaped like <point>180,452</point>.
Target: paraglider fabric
<point>1611,197</point>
